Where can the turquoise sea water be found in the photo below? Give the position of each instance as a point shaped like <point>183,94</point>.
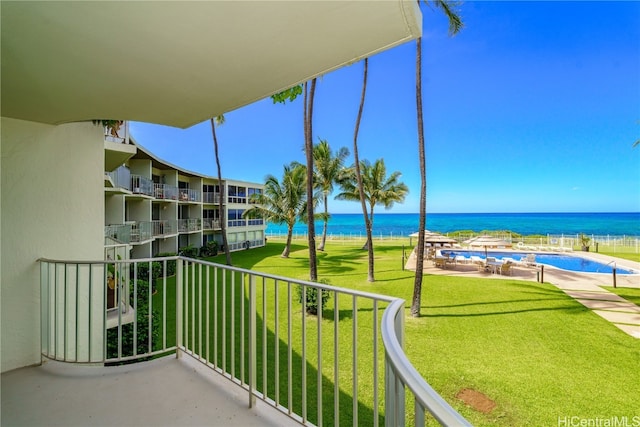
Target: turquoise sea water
<point>385,224</point>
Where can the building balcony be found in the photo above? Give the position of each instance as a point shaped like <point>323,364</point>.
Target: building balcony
<point>131,232</point>
<point>164,228</point>
<point>210,224</point>
<point>188,195</point>
<point>141,185</point>
<point>165,192</point>
<point>189,225</point>
<point>243,350</point>
<point>117,149</point>
<point>119,179</point>
<point>212,198</point>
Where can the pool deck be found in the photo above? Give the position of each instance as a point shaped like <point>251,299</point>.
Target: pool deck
<point>586,288</point>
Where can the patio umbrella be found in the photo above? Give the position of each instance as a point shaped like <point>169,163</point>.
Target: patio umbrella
<point>486,242</point>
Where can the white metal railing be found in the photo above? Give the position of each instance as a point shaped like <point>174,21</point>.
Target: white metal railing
<point>121,177</point>
<point>189,225</point>
<point>165,192</point>
<point>210,224</point>
<point>118,232</point>
<point>400,374</point>
<point>164,227</point>
<point>251,327</point>
<point>211,197</point>
<point>133,232</point>
<point>141,185</point>
<point>188,195</point>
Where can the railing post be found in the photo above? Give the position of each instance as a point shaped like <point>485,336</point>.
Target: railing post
<point>252,340</point>
<point>179,286</point>
<point>398,387</point>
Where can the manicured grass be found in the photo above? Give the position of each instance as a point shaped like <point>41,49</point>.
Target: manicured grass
<point>630,294</point>
<point>533,350</point>
<point>633,256</point>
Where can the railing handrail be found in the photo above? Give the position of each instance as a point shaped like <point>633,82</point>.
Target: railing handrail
<point>353,292</point>
<point>400,373</point>
<point>402,368</point>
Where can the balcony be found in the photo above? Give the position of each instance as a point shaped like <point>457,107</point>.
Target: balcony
<point>117,149</point>
<point>141,185</point>
<point>187,195</point>
<point>119,179</point>
<point>164,228</point>
<point>131,232</point>
<point>189,225</point>
<point>212,198</point>
<point>165,192</point>
<point>234,332</point>
<point>210,224</point>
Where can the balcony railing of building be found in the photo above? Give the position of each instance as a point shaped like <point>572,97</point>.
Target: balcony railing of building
<point>250,327</point>
<point>132,232</point>
<point>188,195</point>
<point>164,227</point>
<point>189,225</point>
<point>121,177</point>
<point>210,224</point>
<point>213,198</point>
<point>165,192</point>
<point>117,131</point>
<point>141,185</point>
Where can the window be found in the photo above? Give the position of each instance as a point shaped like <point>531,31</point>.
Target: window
<point>234,218</point>
<point>237,194</point>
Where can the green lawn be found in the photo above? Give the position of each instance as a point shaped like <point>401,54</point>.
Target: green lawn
<point>630,294</point>
<point>527,346</point>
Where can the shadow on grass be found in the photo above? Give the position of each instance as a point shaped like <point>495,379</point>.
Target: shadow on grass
<point>540,296</point>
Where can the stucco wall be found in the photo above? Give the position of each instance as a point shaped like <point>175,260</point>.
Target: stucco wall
<point>52,206</point>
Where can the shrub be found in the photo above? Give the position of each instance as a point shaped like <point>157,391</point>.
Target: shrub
<point>311,295</point>
<point>142,330</point>
<point>189,251</point>
<point>171,264</point>
<point>210,249</point>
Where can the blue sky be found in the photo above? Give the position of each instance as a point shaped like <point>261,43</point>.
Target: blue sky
<point>533,107</point>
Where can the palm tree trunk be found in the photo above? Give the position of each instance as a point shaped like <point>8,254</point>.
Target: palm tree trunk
<point>325,223</point>
<point>367,223</point>
<point>308,148</point>
<point>223,221</point>
<point>417,284</point>
<point>287,247</point>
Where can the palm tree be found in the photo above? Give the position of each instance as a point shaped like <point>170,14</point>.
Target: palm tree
<point>329,168</point>
<point>282,202</point>
<point>308,95</point>
<point>358,173</point>
<point>220,120</point>
<point>378,189</point>
<point>455,24</point>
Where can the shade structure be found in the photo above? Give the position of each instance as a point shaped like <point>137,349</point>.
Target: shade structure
<point>486,241</point>
<point>435,238</point>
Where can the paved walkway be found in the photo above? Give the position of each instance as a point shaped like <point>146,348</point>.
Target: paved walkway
<point>586,288</point>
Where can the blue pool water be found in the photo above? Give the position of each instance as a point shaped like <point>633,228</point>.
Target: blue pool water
<point>565,262</point>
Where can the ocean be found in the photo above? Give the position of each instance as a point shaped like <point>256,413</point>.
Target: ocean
<point>402,225</point>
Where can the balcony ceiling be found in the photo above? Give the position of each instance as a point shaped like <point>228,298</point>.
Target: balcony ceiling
<point>180,63</point>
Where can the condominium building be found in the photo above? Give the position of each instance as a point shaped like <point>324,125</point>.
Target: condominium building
<point>155,207</point>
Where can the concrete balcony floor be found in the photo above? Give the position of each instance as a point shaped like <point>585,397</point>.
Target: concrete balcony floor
<point>162,392</point>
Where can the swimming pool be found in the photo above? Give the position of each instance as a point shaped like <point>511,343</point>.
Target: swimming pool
<point>565,262</point>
